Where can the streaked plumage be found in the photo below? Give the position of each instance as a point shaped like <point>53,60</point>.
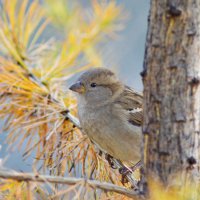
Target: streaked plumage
<point>110,113</point>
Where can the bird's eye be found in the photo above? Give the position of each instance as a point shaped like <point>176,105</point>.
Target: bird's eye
<point>93,84</point>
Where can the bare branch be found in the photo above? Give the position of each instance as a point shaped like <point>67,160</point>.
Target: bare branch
<point>74,120</point>
<point>68,181</point>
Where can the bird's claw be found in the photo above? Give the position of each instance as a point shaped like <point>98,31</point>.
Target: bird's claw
<point>109,158</point>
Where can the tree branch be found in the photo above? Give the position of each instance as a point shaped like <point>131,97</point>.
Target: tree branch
<point>68,181</point>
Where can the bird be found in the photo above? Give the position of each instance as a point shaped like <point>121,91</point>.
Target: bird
<point>110,113</point>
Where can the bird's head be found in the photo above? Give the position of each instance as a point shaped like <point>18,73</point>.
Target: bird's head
<point>97,86</point>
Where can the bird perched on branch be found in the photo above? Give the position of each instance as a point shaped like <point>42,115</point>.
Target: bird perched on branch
<point>110,113</point>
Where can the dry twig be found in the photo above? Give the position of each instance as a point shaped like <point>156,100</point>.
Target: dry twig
<point>68,181</point>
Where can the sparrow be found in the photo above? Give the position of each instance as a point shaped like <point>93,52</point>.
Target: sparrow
<point>110,113</point>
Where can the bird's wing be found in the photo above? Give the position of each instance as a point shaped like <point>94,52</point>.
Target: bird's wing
<point>131,101</point>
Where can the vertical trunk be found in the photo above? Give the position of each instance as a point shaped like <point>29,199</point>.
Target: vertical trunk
<point>172,91</point>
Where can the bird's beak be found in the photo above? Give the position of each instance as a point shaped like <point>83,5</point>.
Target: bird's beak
<point>78,87</point>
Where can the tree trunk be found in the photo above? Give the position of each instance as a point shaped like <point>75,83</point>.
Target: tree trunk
<point>171,79</point>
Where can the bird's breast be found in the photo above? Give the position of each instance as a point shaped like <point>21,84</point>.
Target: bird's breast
<point>110,132</point>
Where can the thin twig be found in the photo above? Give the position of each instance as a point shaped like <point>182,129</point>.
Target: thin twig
<point>74,120</point>
<point>67,180</point>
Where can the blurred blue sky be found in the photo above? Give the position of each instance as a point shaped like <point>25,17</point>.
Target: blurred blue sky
<point>126,53</point>
<point>128,50</point>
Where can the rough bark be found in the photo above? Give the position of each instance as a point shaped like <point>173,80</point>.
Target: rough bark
<point>171,80</point>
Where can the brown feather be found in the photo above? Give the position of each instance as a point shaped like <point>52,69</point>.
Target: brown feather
<point>131,101</point>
